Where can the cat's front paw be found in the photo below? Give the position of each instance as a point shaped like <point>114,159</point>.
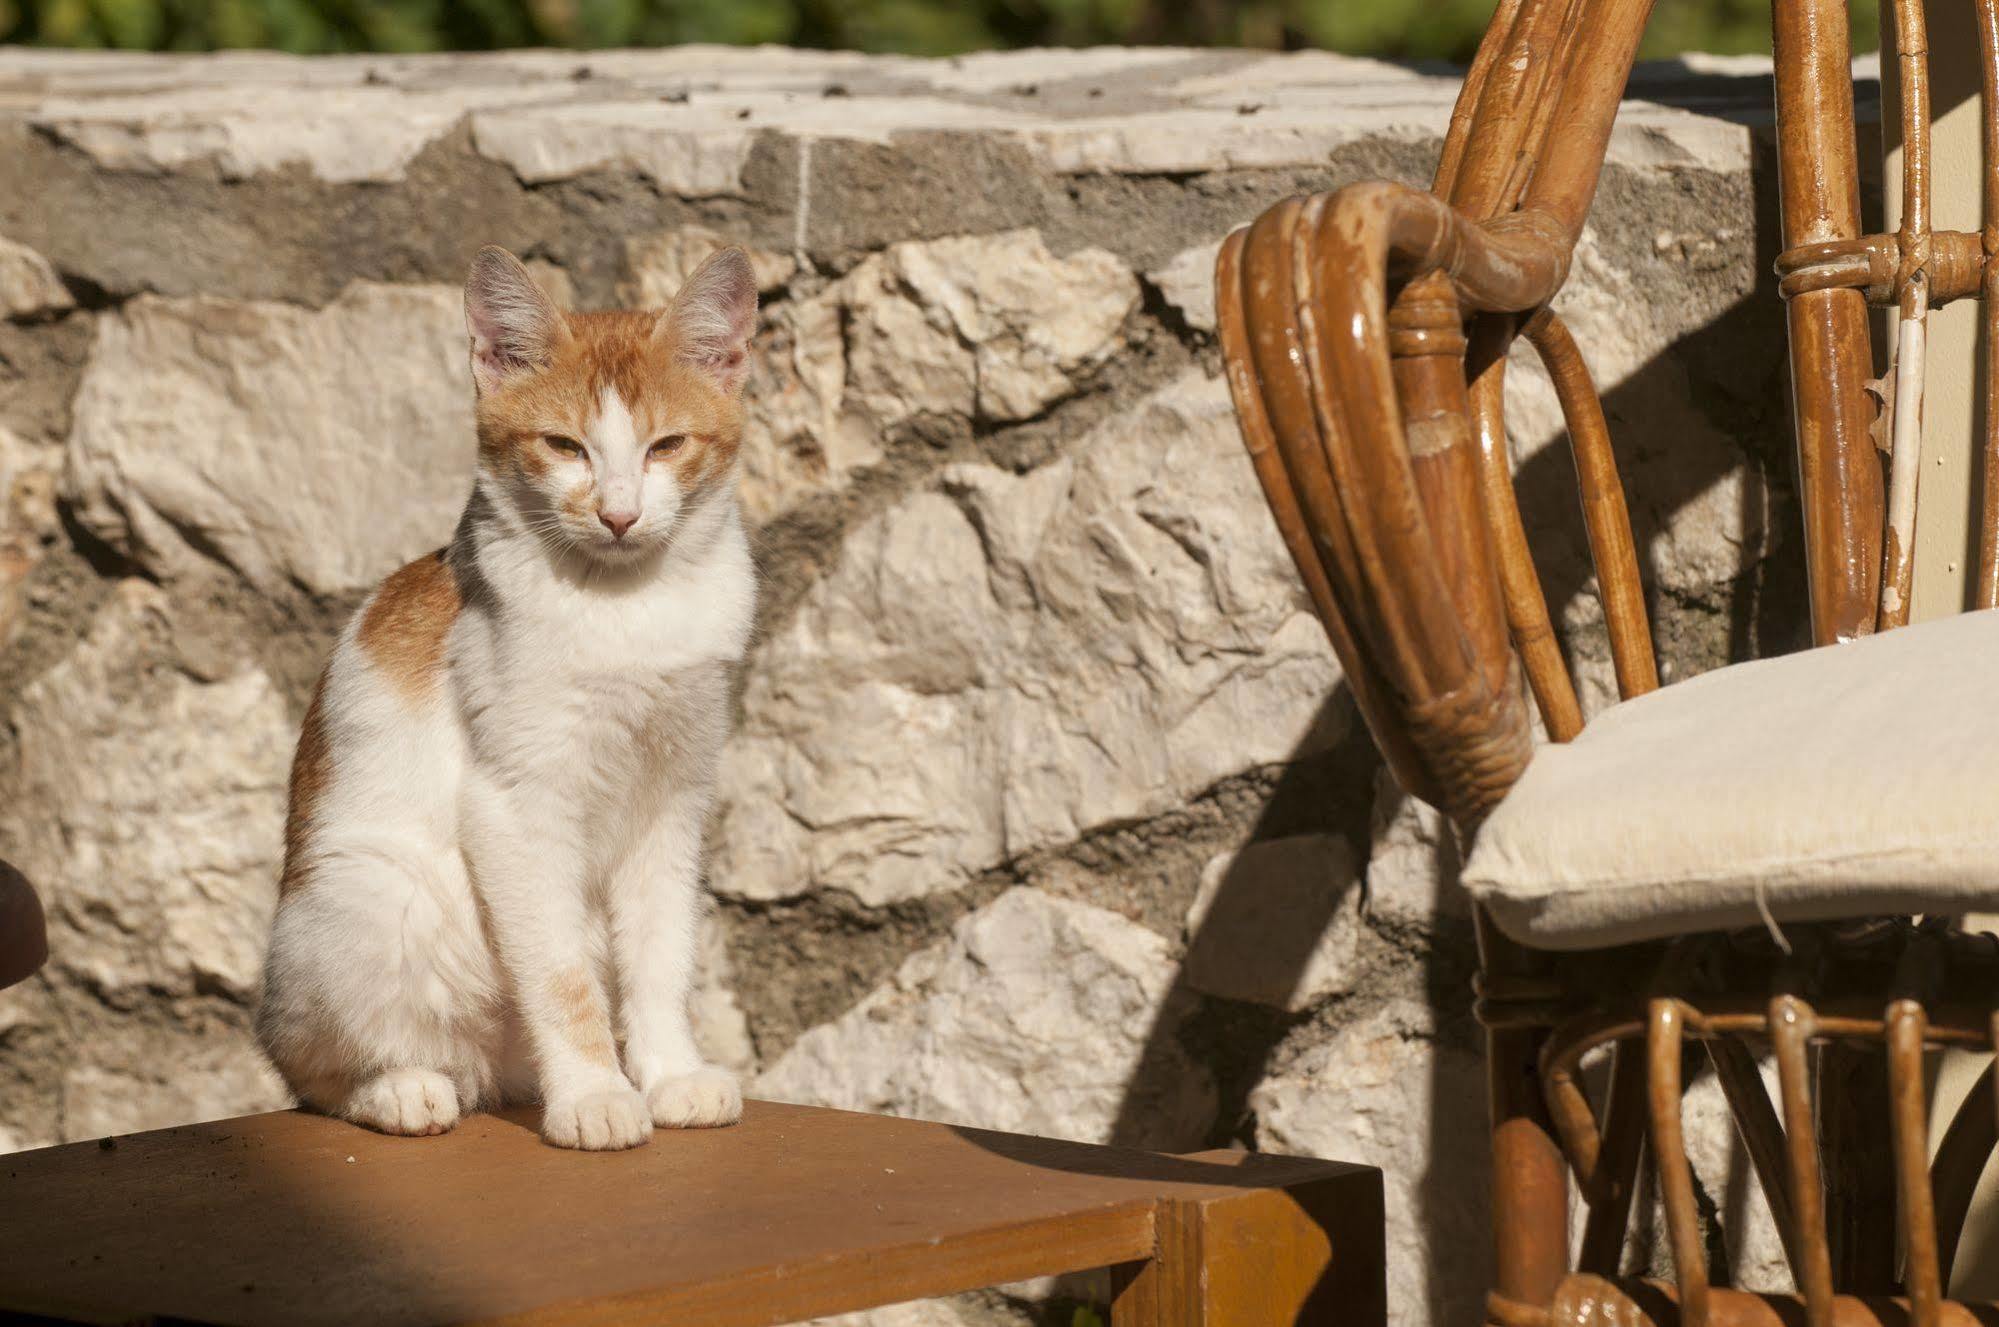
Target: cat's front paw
<point>403,1101</point>
<point>597,1121</point>
<point>704,1099</point>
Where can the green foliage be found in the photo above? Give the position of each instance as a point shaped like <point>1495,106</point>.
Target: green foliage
<point>1439,29</point>
<point>1733,27</point>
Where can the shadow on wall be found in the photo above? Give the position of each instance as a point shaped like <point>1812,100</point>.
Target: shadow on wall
<point>1736,366</point>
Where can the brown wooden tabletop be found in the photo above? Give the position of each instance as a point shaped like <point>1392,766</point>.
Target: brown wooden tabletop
<point>292,1218</point>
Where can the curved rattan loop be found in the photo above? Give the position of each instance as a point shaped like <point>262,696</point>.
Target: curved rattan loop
<point>1508,265</point>
<point>1272,399</point>
<point>1373,484</point>
<point>1424,585</point>
<point>1412,604</point>
<point>1665,1027</point>
<point>1605,516</point>
<point>1520,586</point>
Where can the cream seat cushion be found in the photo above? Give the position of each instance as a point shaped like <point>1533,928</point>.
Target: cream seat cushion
<point>1847,781</point>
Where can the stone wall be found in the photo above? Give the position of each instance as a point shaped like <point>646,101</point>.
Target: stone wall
<point>1048,810</point>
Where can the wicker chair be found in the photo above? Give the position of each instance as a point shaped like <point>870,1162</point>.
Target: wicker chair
<point>1365,334</point>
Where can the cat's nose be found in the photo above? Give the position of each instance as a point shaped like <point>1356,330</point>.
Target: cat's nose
<point>617,522</point>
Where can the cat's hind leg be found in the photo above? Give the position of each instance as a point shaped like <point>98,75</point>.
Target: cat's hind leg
<point>381,999</point>
<point>381,995</point>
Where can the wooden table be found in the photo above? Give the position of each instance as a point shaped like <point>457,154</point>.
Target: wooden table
<point>291,1218</point>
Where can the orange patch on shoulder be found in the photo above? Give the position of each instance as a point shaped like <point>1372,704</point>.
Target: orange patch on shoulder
<point>403,628</point>
<point>312,768</point>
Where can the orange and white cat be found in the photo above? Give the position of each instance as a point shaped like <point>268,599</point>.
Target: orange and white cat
<point>491,887</point>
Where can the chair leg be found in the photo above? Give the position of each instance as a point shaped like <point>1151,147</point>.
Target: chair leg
<point>1311,1254</point>
<point>1530,1178</point>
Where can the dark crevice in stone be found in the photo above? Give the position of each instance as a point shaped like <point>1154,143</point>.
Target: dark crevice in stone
<point>89,296</point>
<point>102,558</point>
<point>1154,305</point>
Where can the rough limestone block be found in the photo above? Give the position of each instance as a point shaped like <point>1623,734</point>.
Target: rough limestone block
<point>997,326</point>
<point>1031,1018</point>
<point>342,135</point>
<point>28,520</point>
<point>150,813</point>
<point>319,448</point>
<point>799,438</point>
<point>147,808</point>
<point>1188,283</point>
<point>1000,666</point>
<point>212,1081</point>
<point>1256,901</point>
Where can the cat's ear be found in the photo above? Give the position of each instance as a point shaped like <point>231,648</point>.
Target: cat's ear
<point>712,317</point>
<point>513,323</point>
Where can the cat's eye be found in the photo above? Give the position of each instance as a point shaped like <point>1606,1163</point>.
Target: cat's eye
<point>666,446</point>
<point>562,446</point>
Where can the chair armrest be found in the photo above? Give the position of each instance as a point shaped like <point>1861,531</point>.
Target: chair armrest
<point>1342,324</point>
<point>1364,332</point>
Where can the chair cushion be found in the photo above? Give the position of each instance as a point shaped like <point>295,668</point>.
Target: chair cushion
<point>1848,781</point>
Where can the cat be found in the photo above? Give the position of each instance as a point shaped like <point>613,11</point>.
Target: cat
<point>491,886</point>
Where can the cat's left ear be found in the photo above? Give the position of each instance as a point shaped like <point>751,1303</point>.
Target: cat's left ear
<point>712,317</point>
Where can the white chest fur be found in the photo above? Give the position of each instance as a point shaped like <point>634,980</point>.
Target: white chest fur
<point>591,671</point>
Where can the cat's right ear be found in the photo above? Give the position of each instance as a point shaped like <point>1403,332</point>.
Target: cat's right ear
<point>513,323</point>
